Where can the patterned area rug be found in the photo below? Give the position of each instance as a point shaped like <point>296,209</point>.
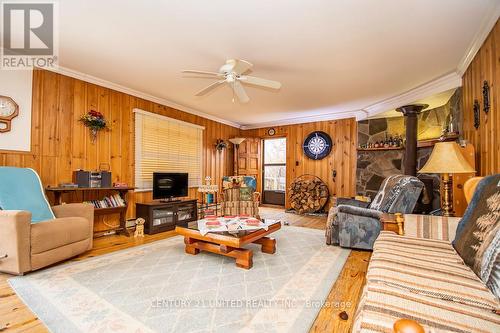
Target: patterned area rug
<point>159,288</point>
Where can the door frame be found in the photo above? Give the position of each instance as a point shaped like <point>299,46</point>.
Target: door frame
<point>263,145</point>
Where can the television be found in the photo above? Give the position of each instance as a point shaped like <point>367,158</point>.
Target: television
<point>167,185</point>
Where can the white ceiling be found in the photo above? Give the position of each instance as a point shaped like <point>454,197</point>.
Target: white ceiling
<point>332,56</point>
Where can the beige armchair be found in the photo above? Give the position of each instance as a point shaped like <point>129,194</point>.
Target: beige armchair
<point>27,247</point>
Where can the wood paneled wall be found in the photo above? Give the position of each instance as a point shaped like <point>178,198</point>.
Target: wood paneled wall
<point>342,159</point>
<point>485,66</point>
<point>61,144</point>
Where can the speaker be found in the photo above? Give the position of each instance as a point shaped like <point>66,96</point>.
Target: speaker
<point>106,179</point>
<point>82,178</point>
<point>92,179</point>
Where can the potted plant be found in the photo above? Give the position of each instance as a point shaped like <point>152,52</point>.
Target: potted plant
<point>95,121</point>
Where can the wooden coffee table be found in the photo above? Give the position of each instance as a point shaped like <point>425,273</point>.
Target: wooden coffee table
<point>229,244</point>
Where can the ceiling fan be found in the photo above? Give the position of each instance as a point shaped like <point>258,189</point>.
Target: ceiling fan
<point>232,74</point>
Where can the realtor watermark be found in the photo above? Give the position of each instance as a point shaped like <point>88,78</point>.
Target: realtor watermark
<point>29,35</point>
<point>183,303</point>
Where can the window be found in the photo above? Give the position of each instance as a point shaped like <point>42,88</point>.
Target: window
<point>167,145</point>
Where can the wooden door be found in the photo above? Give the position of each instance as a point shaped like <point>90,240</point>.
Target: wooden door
<point>249,159</point>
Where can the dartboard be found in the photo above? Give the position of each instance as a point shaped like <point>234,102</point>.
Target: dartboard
<point>317,145</point>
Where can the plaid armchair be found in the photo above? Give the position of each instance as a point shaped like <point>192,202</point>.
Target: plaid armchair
<point>356,224</point>
<point>238,196</point>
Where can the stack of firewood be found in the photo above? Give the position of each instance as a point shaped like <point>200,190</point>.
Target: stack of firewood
<point>308,194</point>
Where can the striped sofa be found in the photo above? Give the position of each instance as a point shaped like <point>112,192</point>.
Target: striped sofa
<point>420,276</point>
<point>424,280</point>
<point>444,273</point>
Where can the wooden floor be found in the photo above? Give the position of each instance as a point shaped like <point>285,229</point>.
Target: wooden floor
<point>343,297</point>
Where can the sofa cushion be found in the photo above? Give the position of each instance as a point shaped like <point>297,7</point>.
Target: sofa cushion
<point>428,267</point>
<point>48,235</point>
<point>22,190</point>
<point>382,305</point>
<point>431,226</point>
<point>476,240</point>
<point>426,281</point>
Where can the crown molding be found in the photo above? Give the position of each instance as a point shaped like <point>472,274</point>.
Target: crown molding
<point>446,82</point>
<point>443,83</point>
<point>438,85</point>
<point>486,26</point>
<point>114,86</point>
<point>358,114</point>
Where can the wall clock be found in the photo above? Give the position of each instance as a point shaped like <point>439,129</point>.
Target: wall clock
<point>8,111</point>
<point>317,145</point>
<point>271,131</point>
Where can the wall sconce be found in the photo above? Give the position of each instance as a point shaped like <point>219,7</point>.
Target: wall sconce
<point>220,144</point>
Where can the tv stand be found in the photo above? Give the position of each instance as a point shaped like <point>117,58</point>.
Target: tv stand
<point>166,215</point>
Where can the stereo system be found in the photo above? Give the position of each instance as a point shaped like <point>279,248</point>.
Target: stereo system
<point>92,179</point>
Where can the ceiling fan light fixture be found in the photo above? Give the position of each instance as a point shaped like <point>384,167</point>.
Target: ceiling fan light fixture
<point>231,73</point>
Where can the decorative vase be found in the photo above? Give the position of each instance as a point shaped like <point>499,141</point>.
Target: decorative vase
<point>94,121</point>
<point>93,135</point>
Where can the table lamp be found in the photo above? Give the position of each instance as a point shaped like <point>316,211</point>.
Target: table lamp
<point>236,142</point>
<point>446,159</point>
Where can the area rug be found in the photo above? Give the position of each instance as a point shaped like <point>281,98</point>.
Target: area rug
<point>159,288</point>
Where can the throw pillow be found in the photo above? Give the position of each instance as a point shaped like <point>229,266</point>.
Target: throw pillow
<point>246,194</point>
<point>476,240</point>
<point>489,265</point>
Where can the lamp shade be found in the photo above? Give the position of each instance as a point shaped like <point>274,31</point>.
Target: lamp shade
<point>237,141</point>
<point>446,157</point>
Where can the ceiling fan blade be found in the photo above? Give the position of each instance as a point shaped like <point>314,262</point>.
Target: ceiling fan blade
<point>239,66</point>
<point>209,88</point>
<point>260,82</point>
<point>240,92</point>
<point>191,71</point>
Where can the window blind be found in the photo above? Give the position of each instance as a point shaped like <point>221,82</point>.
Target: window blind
<point>166,145</point>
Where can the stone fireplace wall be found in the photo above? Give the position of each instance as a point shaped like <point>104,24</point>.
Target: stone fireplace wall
<point>374,166</point>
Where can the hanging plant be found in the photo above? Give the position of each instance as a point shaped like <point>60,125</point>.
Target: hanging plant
<point>95,121</point>
<point>220,144</point>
